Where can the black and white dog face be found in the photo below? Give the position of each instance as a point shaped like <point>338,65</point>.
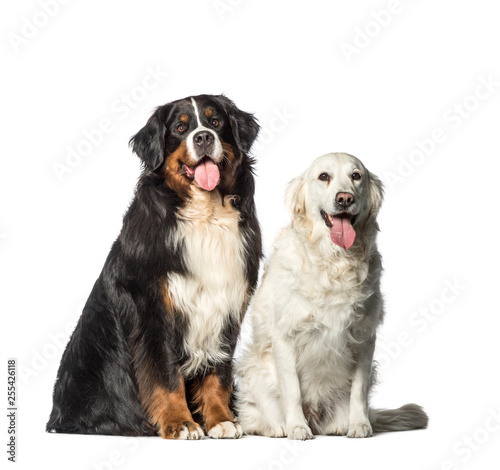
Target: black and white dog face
<point>196,140</point>
<point>336,192</point>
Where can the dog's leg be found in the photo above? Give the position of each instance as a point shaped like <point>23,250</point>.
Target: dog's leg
<point>161,385</point>
<point>258,398</point>
<point>339,425</point>
<point>296,424</point>
<point>359,424</point>
<point>254,421</point>
<point>213,398</point>
<point>167,408</point>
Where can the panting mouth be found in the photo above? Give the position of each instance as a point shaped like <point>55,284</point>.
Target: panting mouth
<point>206,173</point>
<point>341,228</point>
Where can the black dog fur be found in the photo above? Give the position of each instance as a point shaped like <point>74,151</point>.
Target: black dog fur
<point>127,343</point>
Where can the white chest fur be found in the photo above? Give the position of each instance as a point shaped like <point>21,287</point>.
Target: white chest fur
<point>320,298</point>
<point>213,291</point>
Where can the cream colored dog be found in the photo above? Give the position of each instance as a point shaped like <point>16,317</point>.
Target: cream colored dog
<point>309,368</point>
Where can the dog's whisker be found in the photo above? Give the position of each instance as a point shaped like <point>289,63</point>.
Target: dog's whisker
<point>228,161</point>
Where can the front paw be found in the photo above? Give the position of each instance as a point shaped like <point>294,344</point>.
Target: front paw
<point>277,431</point>
<point>337,429</point>
<point>226,430</point>
<point>182,430</point>
<point>360,430</point>
<point>300,432</point>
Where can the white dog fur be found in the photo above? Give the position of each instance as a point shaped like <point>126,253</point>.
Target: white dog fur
<point>309,367</point>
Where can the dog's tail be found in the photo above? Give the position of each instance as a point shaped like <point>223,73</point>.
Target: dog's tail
<point>407,417</point>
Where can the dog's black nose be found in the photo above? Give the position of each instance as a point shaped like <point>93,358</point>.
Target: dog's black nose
<point>344,199</point>
<point>203,143</point>
<point>203,138</point>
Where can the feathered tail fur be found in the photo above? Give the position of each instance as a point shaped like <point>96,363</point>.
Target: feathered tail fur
<point>405,418</point>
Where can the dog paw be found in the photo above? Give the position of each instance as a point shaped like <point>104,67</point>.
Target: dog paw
<point>360,430</point>
<point>226,430</point>
<point>184,430</point>
<point>337,430</point>
<point>277,431</point>
<point>300,432</point>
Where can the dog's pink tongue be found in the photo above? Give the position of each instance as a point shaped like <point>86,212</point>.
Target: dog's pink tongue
<point>207,174</point>
<point>342,233</point>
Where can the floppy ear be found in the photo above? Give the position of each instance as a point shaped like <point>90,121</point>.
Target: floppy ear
<point>376,194</point>
<point>149,142</point>
<point>295,198</point>
<point>244,125</point>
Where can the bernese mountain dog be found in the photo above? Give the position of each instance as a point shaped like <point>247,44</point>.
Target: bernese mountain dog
<point>152,351</point>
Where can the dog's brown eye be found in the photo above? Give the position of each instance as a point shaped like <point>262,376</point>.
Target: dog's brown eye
<point>355,176</point>
<point>181,127</point>
<point>215,122</point>
<point>324,177</point>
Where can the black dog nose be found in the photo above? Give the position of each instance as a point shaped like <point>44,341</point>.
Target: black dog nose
<point>203,138</point>
<point>344,199</point>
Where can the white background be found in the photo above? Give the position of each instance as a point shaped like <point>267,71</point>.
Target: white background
<point>283,61</point>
